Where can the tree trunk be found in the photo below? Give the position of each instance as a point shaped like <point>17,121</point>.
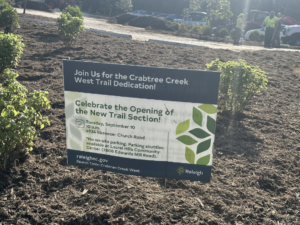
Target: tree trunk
<point>25,5</point>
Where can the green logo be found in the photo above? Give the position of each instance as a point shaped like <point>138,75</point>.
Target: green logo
<point>180,170</point>
<point>202,135</point>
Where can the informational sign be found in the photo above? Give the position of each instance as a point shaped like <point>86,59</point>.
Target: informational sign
<point>142,121</point>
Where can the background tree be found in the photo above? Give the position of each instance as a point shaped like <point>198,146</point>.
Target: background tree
<point>124,5</point>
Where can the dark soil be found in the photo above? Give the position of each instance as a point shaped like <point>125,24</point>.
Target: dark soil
<point>42,6</point>
<point>124,18</point>
<point>256,167</point>
<point>142,21</point>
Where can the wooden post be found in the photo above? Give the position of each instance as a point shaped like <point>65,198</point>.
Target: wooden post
<point>24,11</point>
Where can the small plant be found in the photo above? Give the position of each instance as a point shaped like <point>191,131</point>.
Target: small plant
<point>239,83</point>
<point>69,28</point>
<point>9,18</point>
<point>232,34</point>
<point>73,11</point>
<point>256,36</point>
<point>196,28</point>
<point>223,33</point>
<point>216,33</point>
<point>20,118</point>
<point>206,30</point>
<point>11,48</point>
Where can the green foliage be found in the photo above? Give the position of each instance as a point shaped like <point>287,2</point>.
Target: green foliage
<point>256,36</point>
<point>239,83</point>
<point>206,30</point>
<point>73,11</point>
<point>195,28</point>
<point>223,33</point>
<point>20,118</point>
<point>232,34</point>
<point>216,33</point>
<point>9,17</point>
<point>217,10</point>
<point>11,48</point>
<point>69,27</point>
<point>124,5</point>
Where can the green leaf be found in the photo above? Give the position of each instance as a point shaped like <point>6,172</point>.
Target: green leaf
<point>208,108</point>
<point>199,133</point>
<point>204,160</point>
<point>187,140</point>
<point>211,125</point>
<point>74,145</point>
<point>75,132</point>
<point>182,127</point>
<point>189,155</point>
<point>203,146</point>
<point>197,117</point>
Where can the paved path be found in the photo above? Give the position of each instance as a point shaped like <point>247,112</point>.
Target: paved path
<point>141,34</point>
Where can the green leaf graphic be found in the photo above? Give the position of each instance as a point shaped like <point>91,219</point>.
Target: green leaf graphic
<point>204,160</point>
<point>197,117</point>
<point>75,132</point>
<point>70,95</point>
<point>199,133</point>
<point>203,146</point>
<point>211,124</point>
<point>209,109</point>
<point>187,140</point>
<point>189,155</point>
<point>69,110</point>
<point>74,145</point>
<point>182,127</point>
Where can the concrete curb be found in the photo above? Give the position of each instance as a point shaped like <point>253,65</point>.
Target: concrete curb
<point>173,43</point>
<point>39,21</point>
<point>110,33</point>
<point>87,29</point>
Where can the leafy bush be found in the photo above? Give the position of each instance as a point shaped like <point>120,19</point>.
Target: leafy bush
<point>206,30</point>
<point>239,83</point>
<point>195,28</point>
<point>73,11</point>
<point>216,33</point>
<point>232,34</point>
<point>9,18</point>
<point>11,48</point>
<point>69,28</point>
<point>20,118</point>
<point>256,36</point>
<point>223,33</point>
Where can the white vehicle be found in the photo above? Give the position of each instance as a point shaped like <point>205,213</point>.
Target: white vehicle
<point>262,31</point>
<point>291,35</point>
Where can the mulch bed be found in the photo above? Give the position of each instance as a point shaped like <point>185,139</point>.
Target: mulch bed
<point>256,166</point>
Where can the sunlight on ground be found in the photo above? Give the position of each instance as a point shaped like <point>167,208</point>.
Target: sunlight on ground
<point>297,71</point>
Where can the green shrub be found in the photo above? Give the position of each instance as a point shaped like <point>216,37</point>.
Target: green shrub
<point>9,18</point>
<point>223,33</point>
<point>196,28</point>
<point>11,48</point>
<point>74,11</point>
<point>20,118</point>
<point>232,34</point>
<point>239,83</point>
<point>216,33</point>
<point>256,36</point>
<point>69,28</point>
<point>206,30</point>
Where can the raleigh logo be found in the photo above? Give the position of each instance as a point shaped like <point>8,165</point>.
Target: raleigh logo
<point>180,170</point>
